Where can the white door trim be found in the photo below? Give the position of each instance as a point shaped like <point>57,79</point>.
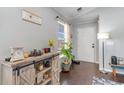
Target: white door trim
<point>95,38</point>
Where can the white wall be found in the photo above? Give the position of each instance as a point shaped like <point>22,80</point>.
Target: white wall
<point>111,20</point>
<point>16,32</point>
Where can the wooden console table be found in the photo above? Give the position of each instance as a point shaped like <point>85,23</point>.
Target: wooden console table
<point>114,67</point>
<point>24,71</point>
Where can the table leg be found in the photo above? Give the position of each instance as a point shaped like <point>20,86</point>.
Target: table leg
<point>114,72</point>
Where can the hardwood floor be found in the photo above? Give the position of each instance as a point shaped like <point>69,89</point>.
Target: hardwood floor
<point>82,75</point>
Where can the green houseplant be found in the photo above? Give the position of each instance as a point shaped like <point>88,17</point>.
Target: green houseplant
<point>66,52</point>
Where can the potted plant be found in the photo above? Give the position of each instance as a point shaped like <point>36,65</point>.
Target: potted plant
<point>66,52</point>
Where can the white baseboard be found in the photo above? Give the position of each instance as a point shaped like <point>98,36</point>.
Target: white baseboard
<point>97,62</point>
<point>87,61</point>
<point>107,70</point>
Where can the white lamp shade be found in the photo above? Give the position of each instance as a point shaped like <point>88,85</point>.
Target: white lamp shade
<point>102,35</point>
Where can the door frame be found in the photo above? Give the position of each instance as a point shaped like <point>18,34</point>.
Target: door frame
<point>88,21</point>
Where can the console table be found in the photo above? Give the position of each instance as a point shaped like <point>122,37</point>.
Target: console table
<point>24,71</point>
<point>114,67</point>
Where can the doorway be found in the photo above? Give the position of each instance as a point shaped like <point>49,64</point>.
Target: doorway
<point>87,49</point>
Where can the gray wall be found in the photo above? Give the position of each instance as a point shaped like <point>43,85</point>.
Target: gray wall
<point>16,32</point>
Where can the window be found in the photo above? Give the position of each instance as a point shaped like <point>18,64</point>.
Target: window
<point>63,33</point>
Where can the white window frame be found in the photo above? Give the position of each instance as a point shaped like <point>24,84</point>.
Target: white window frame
<point>66,30</point>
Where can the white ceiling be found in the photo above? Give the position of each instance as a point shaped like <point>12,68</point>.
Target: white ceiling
<point>71,13</point>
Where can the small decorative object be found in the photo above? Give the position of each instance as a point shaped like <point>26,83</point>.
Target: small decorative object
<point>31,54</point>
<point>31,17</point>
<point>120,60</point>
<point>51,44</point>
<point>26,54</point>
<point>39,66</point>
<point>8,59</point>
<point>35,52</point>
<point>46,50</point>
<point>39,52</point>
<point>46,76</point>
<point>46,63</point>
<point>17,53</point>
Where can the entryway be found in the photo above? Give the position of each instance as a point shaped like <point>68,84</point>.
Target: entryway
<point>87,49</point>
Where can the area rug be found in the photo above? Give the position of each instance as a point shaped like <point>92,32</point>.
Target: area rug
<point>102,81</point>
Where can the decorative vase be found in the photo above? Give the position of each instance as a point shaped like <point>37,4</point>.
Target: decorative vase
<point>52,49</point>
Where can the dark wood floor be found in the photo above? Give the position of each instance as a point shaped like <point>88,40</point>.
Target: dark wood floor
<point>82,75</point>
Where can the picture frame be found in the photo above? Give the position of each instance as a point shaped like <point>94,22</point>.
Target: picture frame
<point>16,54</point>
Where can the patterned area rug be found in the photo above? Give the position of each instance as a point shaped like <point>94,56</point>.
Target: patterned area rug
<point>102,81</point>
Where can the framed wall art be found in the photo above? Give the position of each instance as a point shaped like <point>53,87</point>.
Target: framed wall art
<point>31,17</point>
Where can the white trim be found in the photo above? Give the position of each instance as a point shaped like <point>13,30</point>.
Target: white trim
<point>97,62</point>
<point>87,61</point>
<point>61,22</point>
<point>92,21</point>
<point>60,32</point>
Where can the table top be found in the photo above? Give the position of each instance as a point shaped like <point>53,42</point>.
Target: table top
<point>28,60</point>
<point>117,65</point>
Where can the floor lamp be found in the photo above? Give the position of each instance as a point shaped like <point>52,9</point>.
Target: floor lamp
<point>103,37</point>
